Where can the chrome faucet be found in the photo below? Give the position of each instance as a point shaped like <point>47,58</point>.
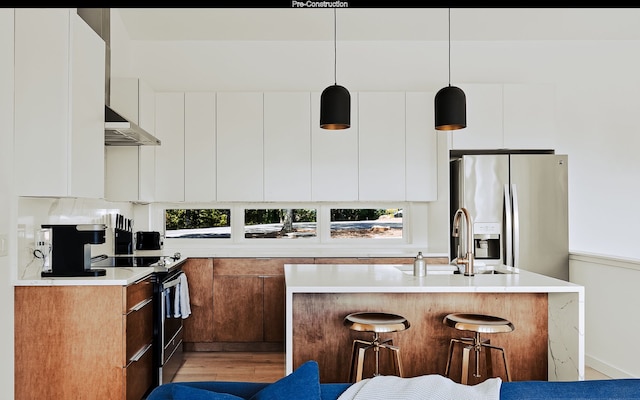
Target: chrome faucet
<point>468,259</point>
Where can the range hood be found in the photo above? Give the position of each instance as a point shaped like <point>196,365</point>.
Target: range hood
<point>118,131</point>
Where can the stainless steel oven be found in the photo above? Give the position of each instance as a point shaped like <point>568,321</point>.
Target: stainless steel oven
<point>169,354</point>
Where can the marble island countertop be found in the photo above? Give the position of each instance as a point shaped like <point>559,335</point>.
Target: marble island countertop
<point>326,288</point>
<point>390,278</point>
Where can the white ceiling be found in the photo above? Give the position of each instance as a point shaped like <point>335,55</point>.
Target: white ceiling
<point>401,24</point>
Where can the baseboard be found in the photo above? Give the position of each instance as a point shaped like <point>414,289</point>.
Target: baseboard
<point>605,368</point>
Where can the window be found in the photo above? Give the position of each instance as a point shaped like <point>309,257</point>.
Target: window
<point>309,225</point>
<point>366,223</point>
<point>198,223</point>
<point>280,223</point>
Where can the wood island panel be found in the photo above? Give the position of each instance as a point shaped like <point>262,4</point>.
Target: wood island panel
<point>319,333</point>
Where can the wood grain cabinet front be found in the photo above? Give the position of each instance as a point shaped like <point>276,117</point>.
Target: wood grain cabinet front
<point>74,342</point>
<point>138,322</point>
<point>237,304</point>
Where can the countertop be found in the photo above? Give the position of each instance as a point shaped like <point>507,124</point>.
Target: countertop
<point>565,300</point>
<point>390,278</point>
<point>116,276</point>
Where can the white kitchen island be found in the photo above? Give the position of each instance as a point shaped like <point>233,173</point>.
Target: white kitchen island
<point>548,313</point>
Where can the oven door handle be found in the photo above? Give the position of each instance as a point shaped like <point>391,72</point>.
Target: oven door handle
<point>171,283</point>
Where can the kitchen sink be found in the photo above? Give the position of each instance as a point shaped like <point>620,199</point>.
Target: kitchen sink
<point>432,269</point>
<point>494,270</point>
<point>450,269</point>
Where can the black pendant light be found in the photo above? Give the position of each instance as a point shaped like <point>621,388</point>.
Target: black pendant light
<point>450,102</point>
<point>335,101</point>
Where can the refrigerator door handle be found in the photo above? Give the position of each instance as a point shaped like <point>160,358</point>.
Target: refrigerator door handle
<point>516,226</point>
<point>508,256</point>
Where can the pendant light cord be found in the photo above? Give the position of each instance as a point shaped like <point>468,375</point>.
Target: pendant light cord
<point>449,23</point>
<point>335,49</point>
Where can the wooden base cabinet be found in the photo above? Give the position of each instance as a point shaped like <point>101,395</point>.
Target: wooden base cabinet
<point>84,342</point>
<point>237,304</point>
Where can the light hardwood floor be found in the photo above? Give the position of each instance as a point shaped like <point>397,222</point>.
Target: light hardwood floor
<point>231,366</point>
<point>254,367</point>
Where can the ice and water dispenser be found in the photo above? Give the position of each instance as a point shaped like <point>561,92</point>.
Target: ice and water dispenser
<point>486,240</point>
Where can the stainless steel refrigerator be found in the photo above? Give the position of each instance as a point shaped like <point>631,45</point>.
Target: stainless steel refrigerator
<point>518,203</point>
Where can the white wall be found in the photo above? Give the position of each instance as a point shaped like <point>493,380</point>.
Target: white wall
<point>7,202</point>
<point>596,84</point>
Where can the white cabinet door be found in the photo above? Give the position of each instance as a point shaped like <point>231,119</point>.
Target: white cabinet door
<point>239,152</point>
<point>130,170</point>
<point>59,105</point>
<point>121,175</point>
<point>287,146</point>
<point>529,116</point>
<point>6,129</point>
<point>146,154</point>
<point>421,148</point>
<point>200,146</point>
<point>381,150</point>
<point>87,111</point>
<point>484,118</point>
<point>170,153</point>
<point>334,157</point>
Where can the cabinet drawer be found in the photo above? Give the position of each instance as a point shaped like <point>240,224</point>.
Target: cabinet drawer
<point>139,375</point>
<point>139,330</point>
<point>138,292</point>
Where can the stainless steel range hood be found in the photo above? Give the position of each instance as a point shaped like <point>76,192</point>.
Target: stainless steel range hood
<point>118,131</point>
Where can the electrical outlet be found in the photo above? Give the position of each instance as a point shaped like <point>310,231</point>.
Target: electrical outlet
<point>4,245</point>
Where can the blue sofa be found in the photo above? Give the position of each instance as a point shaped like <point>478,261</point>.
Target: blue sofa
<point>304,384</point>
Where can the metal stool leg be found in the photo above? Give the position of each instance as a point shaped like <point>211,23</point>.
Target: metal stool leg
<point>355,355</point>
<point>396,358</point>
<point>488,359</point>
<point>504,359</point>
<point>465,364</point>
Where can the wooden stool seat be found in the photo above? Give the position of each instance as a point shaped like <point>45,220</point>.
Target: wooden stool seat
<point>375,322</point>
<point>477,323</point>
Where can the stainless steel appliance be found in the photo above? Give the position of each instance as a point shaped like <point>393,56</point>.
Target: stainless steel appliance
<point>518,202</point>
<point>168,328</point>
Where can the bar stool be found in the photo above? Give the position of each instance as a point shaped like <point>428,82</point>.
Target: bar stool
<point>376,323</point>
<point>477,323</point>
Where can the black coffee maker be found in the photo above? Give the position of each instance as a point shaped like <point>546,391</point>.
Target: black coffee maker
<point>71,249</point>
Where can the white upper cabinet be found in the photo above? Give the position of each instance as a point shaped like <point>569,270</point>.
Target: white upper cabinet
<point>59,105</point>
<point>382,143</point>
<point>239,152</point>
<point>170,155</point>
<point>200,146</point>
<point>421,148</point>
<point>334,157</point>
<point>130,170</point>
<point>287,146</point>
<point>515,116</point>
<point>6,117</point>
